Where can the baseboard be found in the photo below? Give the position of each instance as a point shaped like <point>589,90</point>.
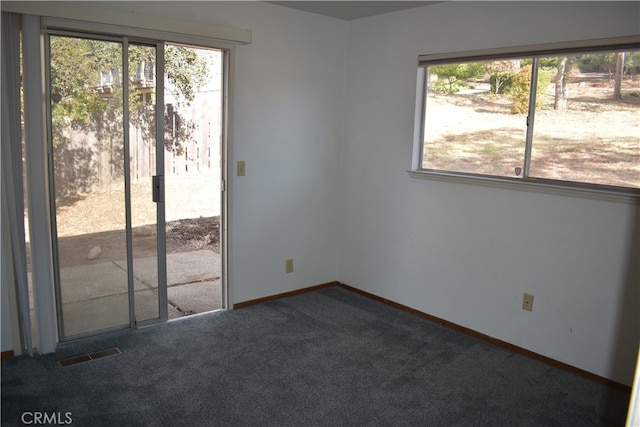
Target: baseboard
<point>494,341</point>
<point>450,325</point>
<point>285,294</point>
<point>9,354</point>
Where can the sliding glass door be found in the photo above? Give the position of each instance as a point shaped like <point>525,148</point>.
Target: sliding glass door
<point>106,179</point>
<point>127,117</point>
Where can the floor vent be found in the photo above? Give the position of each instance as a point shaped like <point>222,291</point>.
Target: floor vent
<point>89,357</point>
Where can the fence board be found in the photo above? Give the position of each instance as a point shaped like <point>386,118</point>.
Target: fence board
<point>87,161</point>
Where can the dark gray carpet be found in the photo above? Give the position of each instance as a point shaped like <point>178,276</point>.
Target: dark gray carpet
<point>328,357</point>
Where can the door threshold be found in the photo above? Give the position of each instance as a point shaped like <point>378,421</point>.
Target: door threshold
<point>191,316</point>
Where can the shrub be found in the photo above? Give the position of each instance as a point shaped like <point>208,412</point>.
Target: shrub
<point>597,62</point>
<point>501,81</point>
<point>443,86</point>
<point>457,75</point>
<point>520,87</point>
<point>548,63</point>
<point>632,60</point>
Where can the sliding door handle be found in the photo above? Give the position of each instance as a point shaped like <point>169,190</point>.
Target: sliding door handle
<point>157,190</point>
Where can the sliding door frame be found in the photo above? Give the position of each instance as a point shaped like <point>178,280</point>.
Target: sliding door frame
<point>44,293</point>
<point>125,43</point>
<point>160,209</point>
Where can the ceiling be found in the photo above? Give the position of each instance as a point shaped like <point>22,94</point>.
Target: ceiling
<point>349,10</point>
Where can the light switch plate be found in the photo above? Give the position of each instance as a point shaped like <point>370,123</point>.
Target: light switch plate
<point>241,168</point>
<point>527,302</point>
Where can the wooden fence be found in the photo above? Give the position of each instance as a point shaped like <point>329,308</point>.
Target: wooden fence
<point>93,160</point>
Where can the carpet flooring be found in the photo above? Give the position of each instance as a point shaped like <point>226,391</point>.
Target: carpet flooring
<point>330,357</point>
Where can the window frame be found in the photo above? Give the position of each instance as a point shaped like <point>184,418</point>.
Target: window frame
<point>526,182</point>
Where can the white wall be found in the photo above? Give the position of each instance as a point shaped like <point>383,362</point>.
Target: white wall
<point>466,253</point>
<point>288,92</point>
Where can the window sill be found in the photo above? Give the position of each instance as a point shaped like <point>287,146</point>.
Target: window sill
<point>612,194</point>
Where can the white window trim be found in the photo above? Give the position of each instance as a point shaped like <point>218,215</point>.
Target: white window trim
<point>539,187</point>
<point>528,50</point>
<point>569,188</point>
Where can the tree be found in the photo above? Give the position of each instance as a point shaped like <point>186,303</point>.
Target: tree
<point>75,63</point>
<point>185,70</point>
<point>455,73</point>
<point>86,85</point>
<point>87,108</point>
<point>617,83</point>
<point>562,79</point>
<point>502,73</point>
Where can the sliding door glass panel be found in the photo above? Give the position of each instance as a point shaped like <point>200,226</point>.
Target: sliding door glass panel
<point>142,158</point>
<point>193,137</point>
<point>88,184</point>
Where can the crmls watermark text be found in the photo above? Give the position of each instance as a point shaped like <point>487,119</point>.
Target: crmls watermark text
<point>46,418</point>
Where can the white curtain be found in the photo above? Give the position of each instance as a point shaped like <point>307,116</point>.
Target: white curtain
<point>13,235</point>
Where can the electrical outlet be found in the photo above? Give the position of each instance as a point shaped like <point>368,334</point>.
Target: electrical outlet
<point>289,266</point>
<point>241,169</point>
<point>527,302</point>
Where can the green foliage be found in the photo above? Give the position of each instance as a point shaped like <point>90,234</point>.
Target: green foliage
<point>457,75</point>
<point>606,62</point>
<point>544,79</point>
<point>185,69</point>
<point>548,62</point>
<point>597,62</point>
<point>521,87</point>
<point>501,81</point>
<point>632,62</point>
<point>74,76</point>
<point>443,86</point>
<point>81,100</point>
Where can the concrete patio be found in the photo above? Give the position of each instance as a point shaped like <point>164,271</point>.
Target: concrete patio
<point>96,296</point>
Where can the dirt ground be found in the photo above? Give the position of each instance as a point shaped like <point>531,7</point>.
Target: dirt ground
<point>97,218</point>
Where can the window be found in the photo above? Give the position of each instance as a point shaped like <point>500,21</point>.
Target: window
<point>564,116</point>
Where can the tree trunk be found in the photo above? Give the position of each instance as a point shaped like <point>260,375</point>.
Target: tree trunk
<point>560,100</point>
<point>562,82</point>
<point>617,85</point>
